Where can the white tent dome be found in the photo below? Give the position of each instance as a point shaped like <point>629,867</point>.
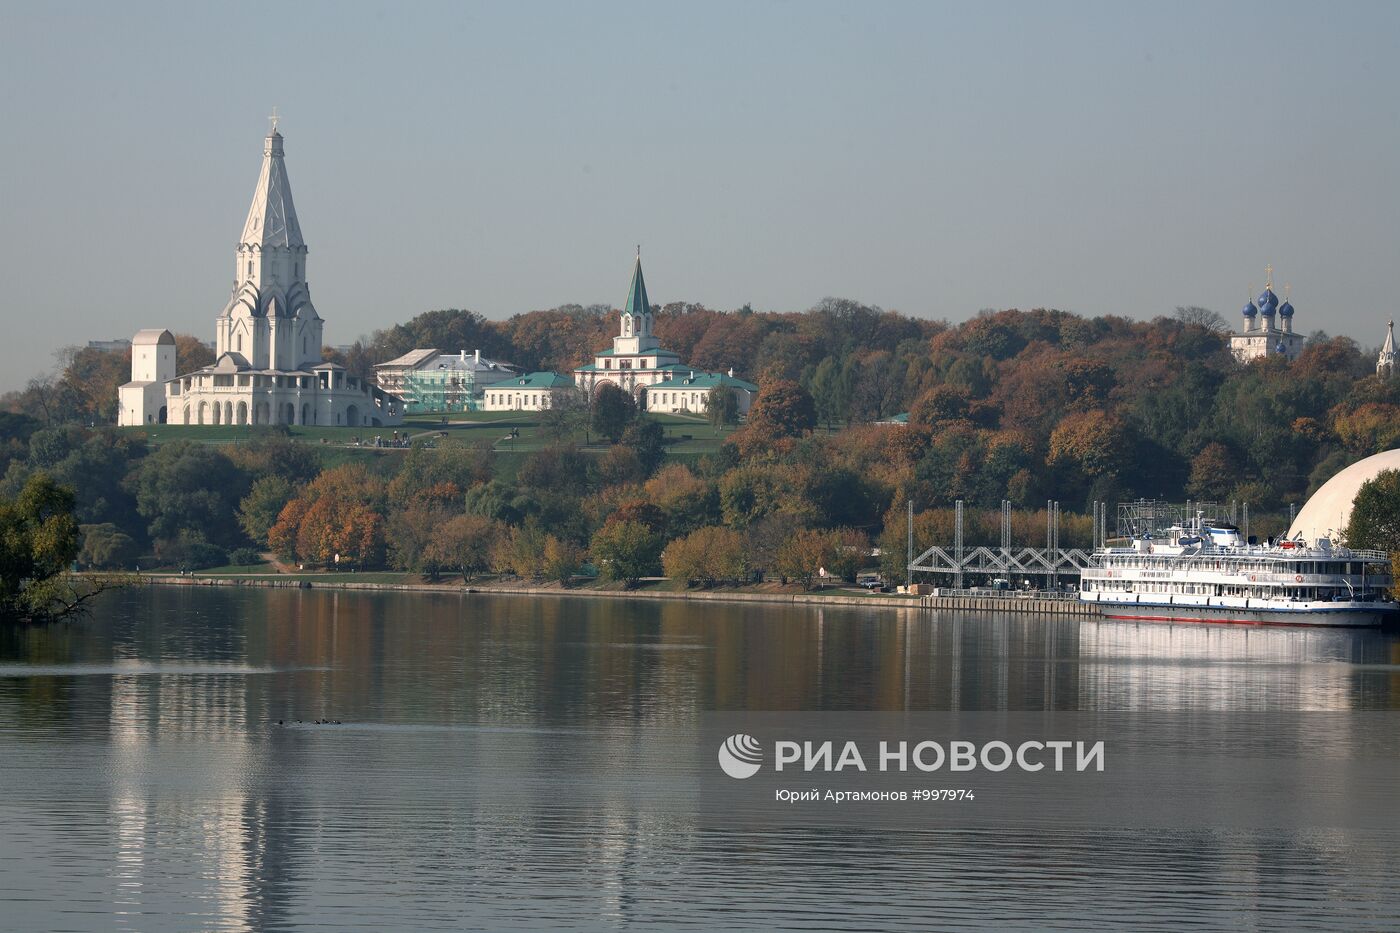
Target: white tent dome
<point>1326,514</point>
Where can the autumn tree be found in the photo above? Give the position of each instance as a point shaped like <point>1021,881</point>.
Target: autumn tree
<point>340,513</point>
<point>707,555</point>
<point>561,559</point>
<point>1214,472</point>
<point>520,550</point>
<point>804,554</point>
<point>782,409</point>
<point>849,550</point>
<point>462,544</point>
<point>1093,442</point>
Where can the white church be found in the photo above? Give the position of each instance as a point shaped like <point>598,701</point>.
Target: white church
<point>655,377</point>
<point>1267,328</point>
<point>268,367</point>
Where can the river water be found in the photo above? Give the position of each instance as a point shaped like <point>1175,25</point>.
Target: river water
<point>496,766</point>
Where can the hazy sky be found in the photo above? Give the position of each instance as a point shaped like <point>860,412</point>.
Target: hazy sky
<point>935,159</point>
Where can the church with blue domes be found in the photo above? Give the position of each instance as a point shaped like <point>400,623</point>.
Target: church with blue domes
<point>1267,329</point>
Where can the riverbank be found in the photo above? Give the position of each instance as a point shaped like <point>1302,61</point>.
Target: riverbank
<point>1019,604</point>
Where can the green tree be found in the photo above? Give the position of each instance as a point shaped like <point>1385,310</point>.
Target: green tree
<point>830,386</point>
<point>566,416</point>
<point>1375,513</point>
<point>258,510</point>
<point>721,407</point>
<point>38,542</point>
<point>185,486</point>
<point>494,500</point>
<point>647,439</point>
<point>613,411</point>
<point>626,551</point>
<point>269,453</point>
<point>107,547</point>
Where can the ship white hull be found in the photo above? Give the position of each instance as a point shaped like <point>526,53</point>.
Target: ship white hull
<point>1317,615</point>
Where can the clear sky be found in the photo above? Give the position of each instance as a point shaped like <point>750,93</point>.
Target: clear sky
<point>934,159</point>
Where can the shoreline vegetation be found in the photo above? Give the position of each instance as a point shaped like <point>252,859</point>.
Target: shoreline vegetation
<point>836,595</point>
<point>861,416</point>
<point>389,581</point>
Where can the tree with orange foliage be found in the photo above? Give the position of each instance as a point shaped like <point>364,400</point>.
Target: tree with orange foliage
<point>1095,442</point>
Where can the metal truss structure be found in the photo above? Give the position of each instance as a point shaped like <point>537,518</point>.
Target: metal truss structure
<point>1051,561</point>
<point>1004,562</point>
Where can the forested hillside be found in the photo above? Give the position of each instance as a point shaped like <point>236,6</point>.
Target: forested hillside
<point>1019,405</point>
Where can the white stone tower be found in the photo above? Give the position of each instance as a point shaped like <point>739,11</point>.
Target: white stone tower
<point>270,322</point>
<point>1386,361</point>
<point>142,400</point>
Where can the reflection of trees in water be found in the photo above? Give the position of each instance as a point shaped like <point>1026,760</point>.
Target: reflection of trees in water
<point>494,750</point>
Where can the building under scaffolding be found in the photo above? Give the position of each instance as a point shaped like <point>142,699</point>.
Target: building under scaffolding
<point>430,381</point>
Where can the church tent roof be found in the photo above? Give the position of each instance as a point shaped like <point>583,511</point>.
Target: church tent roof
<point>637,302</point>
<point>272,218</point>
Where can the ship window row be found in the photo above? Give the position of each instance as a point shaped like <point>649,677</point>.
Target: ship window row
<point>1309,593</point>
<point>1353,568</point>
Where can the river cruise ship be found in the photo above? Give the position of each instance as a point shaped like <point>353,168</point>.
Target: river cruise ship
<point>1202,571</point>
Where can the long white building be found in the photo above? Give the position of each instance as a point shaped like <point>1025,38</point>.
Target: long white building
<point>655,377</point>
<point>268,367</point>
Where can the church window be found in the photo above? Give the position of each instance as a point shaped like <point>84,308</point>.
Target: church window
<point>607,364</point>
<point>238,341</point>
<point>250,267</point>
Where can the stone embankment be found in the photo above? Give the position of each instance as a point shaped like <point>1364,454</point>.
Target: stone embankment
<point>972,603</point>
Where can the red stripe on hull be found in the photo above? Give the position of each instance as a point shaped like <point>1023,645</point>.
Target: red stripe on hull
<point>1239,621</point>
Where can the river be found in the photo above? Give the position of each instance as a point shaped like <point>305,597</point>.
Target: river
<point>505,763</point>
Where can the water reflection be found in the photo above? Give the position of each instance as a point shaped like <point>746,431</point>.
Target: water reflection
<point>523,762</point>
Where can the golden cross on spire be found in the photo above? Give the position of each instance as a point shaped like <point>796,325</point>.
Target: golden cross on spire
<point>273,120</point>
<point>1269,276</point>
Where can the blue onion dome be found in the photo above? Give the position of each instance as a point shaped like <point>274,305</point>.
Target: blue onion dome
<point>1285,310</point>
<point>1249,309</point>
<point>1268,302</point>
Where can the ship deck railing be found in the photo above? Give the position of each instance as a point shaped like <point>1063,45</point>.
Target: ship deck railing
<point>1256,551</point>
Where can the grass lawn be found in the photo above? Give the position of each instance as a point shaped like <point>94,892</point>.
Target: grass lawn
<point>262,567</point>
<point>687,436</point>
